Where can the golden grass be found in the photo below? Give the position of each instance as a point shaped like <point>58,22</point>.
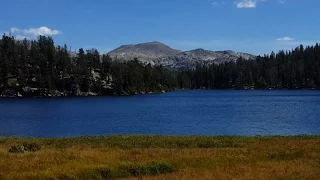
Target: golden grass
<point>189,157</point>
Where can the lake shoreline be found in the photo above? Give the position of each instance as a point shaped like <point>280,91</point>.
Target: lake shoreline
<point>89,94</point>
<point>158,136</point>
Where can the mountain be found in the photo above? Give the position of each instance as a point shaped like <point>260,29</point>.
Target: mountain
<point>145,52</point>
<point>157,53</point>
<point>190,59</point>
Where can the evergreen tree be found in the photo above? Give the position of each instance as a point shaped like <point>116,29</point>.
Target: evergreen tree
<point>44,67</point>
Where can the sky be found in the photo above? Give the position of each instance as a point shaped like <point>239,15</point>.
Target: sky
<point>253,26</point>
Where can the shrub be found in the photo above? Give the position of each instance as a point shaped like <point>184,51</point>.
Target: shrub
<point>147,169</point>
<point>31,147</point>
<point>16,149</point>
<point>95,173</point>
<point>26,147</point>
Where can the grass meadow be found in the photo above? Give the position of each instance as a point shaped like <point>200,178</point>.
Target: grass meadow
<point>161,157</point>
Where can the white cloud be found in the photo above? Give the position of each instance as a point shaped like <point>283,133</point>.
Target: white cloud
<point>285,39</point>
<point>254,3</point>
<point>246,4</point>
<point>42,31</point>
<point>33,32</point>
<point>14,30</point>
<point>20,37</point>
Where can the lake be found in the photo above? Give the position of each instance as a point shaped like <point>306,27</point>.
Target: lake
<point>227,112</point>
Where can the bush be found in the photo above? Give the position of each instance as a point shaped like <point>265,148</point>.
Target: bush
<point>96,173</point>
<point>147,169</point>
<point>26,147</point>
<point>125,171</point>
<point>16,149</point>
<point>32,147</point>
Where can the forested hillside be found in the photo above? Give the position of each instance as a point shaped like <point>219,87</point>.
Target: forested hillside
<point>40,68</point>
<point>296,69</point>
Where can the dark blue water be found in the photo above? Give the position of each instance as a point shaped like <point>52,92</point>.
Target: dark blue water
<point>178,113</point>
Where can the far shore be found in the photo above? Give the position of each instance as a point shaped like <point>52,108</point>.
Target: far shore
<point>146,93</point>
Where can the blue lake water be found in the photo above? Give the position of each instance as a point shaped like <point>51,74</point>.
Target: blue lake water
<point>198,112</point>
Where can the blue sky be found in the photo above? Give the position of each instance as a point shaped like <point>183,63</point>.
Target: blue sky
<point>254,26</point>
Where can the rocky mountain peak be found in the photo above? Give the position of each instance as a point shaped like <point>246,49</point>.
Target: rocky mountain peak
<point>145,52</point>
<point>157,53</point>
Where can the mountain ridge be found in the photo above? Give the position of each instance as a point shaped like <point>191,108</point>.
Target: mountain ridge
<point>157,53</point>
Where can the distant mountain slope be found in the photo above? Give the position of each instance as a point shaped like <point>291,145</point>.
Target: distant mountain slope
<point>189,59</point>
<point>145,52</point>
<point>157,53</point>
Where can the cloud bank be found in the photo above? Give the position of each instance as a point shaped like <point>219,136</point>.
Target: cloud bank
<point>33,32</point>
<point>285,39</point>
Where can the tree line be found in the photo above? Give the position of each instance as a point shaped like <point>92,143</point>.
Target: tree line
<point>295,69</point>
<point>46,69</point>
<point>40,68</point>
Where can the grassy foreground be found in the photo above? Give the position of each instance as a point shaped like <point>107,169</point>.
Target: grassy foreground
<point>163,157</point>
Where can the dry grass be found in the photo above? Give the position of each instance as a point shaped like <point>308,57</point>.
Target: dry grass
<point>157,157</point>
